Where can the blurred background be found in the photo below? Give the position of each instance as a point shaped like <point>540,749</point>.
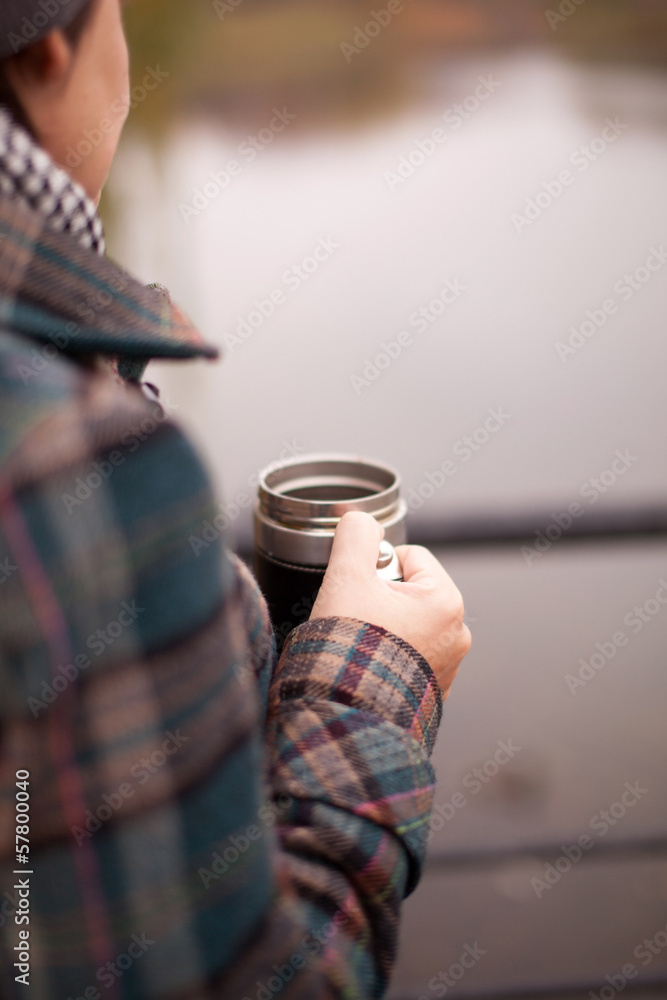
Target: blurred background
<point>435,233</point>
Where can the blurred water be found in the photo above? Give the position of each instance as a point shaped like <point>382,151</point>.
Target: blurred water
<point>289,384</point>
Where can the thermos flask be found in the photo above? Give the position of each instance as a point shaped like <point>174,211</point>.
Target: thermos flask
<point>300,502</point>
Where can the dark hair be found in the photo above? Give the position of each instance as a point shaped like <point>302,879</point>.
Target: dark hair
<point>8,98</point>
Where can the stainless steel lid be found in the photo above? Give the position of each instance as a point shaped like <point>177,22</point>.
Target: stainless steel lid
<point>301,502</point>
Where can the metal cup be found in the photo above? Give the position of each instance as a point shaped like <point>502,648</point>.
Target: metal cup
<point>299,505</point>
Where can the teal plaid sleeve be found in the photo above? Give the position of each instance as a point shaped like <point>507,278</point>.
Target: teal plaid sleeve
<point>354,712</point>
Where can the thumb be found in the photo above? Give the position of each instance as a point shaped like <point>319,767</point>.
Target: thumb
<point>356,546</point>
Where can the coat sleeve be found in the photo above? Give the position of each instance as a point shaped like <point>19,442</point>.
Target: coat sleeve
<point>353,714</point>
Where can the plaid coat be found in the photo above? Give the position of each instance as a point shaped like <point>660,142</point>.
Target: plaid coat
<point>204,822</point>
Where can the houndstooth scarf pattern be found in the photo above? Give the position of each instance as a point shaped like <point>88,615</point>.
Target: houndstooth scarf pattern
<point>28,173</point>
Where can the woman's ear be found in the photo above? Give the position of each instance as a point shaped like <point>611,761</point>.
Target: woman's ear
<point>40,67</point>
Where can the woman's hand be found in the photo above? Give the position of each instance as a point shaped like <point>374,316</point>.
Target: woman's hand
<point>426,610</point>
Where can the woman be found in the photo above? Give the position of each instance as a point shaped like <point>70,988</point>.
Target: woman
<point>203,821</point>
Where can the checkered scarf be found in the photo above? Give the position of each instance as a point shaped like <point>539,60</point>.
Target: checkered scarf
<point>28,173</point>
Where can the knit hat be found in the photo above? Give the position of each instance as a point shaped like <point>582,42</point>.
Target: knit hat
<point>24,22</point>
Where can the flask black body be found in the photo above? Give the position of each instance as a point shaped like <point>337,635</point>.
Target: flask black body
<point>290,592</point>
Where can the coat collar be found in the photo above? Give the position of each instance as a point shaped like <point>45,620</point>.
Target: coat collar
<point>55,291</point>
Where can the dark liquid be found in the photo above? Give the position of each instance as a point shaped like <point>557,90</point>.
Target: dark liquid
<point>331,494</point>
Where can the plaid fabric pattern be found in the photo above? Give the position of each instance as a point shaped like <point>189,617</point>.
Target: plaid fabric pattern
<point>205,822</point>
<point>28,174</point>
<point>76,302</point>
